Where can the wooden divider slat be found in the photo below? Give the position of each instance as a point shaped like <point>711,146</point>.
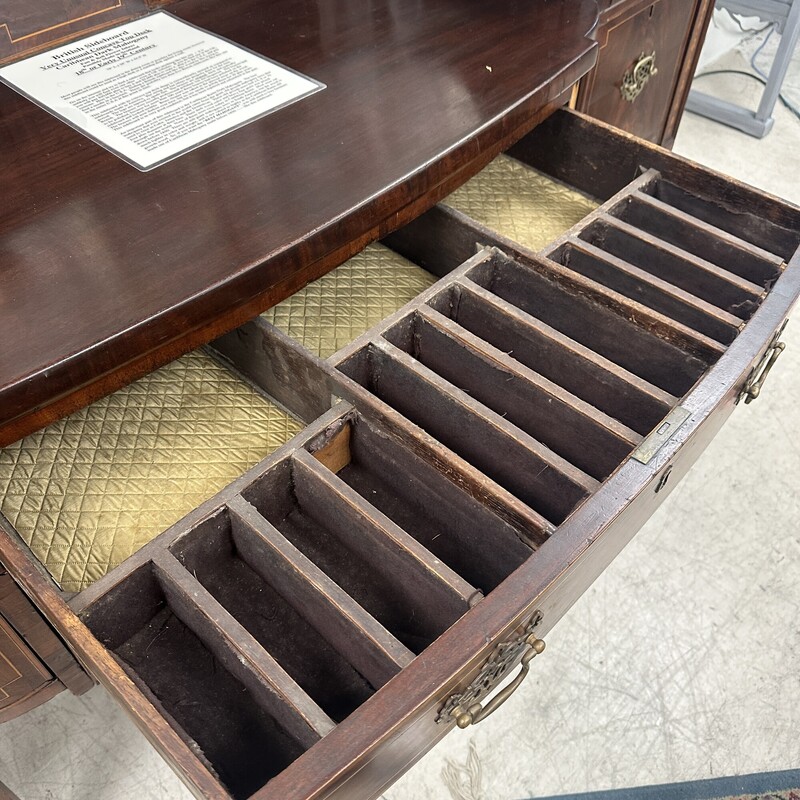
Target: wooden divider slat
<point>754,226</point>
<point>531,525</point>
<point>373,651</point>
<point>661,295</point>
<point>517,461</point>
<point>241,654</point>
<point>692,273</point>
<point>570,427</point>
<point>610,388</point>
<point>725,249</point>
<point>373,531</point>
<point>643,341</point>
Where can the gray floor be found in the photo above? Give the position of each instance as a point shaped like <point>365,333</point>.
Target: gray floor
<point>680,663</point>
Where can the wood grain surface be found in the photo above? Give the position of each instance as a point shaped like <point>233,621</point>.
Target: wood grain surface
<point>107,272</point>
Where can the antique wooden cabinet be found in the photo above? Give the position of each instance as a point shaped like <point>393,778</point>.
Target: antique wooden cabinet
<point>300,556</point>
<point>647,55</point>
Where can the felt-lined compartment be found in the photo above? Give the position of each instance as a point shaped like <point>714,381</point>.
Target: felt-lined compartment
<point>574,430</point>
<point>411,601</point>
<point>524,467</point>
<point>618,339</point>
<point>450,523</point>
<point>279,622</point>
<point>242,741</point>
<point>557,357</point>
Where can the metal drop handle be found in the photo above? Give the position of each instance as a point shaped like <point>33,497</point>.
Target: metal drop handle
<point>477,712</point>
<point>634,80</point>
<point>754,385</point>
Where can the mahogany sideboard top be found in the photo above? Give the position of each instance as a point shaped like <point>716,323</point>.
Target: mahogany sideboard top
<point>107,272</point>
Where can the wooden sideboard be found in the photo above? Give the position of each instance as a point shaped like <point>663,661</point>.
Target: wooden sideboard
<point>459,471</point>
<point>672,32</point>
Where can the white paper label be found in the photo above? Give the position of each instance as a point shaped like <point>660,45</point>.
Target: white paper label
<point>155,88</point>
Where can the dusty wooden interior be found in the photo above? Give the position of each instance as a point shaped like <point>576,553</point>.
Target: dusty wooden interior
<point>495,432</point>
<point>472,432</point>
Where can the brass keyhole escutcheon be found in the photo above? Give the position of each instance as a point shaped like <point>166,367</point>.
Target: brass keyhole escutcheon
<point>635,79</point>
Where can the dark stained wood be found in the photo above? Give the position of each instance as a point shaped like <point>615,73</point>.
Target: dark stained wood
<point>622,330</point>
<point>523,466</point>
<point>600,160</point>
<point>530,524</point>
<point>436,511</point>
<point>277,365</point>
<point>579,369</point>
<point>627,30</point>
<point>572,297</point>
<point>673,263</point>
<point>107,670</point>
<point>652,291</point>
<point>567,425</point>
<point>241,655</point>
<point>438,240</point>
<point>395,725</point>
<point>335,454</point>
<point>735,220</point>
<point>679,228</point>
<point>373,533</point>
<point>377,654</point>
<point>691,56</point>
<point>571,561</point>
<point>125,270</point>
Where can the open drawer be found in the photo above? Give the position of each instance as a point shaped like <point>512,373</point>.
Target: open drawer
<point>478,458</point>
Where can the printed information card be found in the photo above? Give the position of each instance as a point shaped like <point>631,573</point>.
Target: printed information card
<point>156,88</point>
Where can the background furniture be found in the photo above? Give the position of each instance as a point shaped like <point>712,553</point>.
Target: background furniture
<point>786,16</point>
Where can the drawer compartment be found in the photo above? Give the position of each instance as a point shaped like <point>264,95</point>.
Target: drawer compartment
<point>158,638</point>
<point>493,443</point>
<point>242,574</point>
<point>90,490</point>
<point>381,567</point>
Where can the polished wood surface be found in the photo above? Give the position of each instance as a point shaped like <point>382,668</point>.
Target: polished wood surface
<point>106,272</point>
<point>27,28</point>
<point>672,29</point>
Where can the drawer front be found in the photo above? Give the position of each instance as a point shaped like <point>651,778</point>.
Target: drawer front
<point>660,29</point>
<point>22,675</point>
<point>501,437</point>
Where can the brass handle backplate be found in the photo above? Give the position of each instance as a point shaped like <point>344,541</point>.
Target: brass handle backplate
<point>635,79</point>
<point>478,712</point>
<point>755,381</point>
<point>466,707</point>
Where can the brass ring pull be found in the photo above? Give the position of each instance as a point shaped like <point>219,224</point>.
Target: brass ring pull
<point>634,80</point>
<point>754,385</point>
<point>478,712</point>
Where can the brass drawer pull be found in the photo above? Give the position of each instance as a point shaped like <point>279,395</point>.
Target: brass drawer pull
<point>477,712</point>
<point>466,707</point>
<point>755,382</point>
<point>634,80</point>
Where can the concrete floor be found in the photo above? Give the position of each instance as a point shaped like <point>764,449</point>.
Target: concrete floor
<point>679,663</point>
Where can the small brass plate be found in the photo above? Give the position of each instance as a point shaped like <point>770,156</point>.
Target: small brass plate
<point>661,435</point>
